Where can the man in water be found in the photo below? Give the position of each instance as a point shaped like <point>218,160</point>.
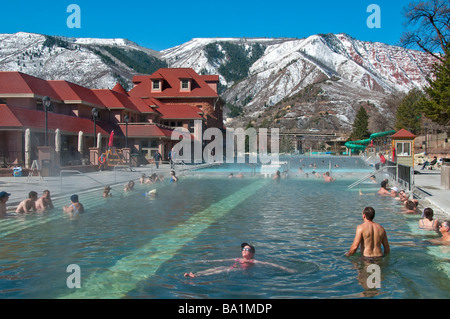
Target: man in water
<point>248,252</point>
<point>327,177</point>
<point>370,236</point>
<point>4,196</point>
<point>75,206</point>
<point>44,202</point>
<point>29,204</point>
<point>444,229</point>
<point>383,189</point>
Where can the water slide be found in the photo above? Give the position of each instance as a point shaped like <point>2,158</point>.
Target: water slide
<point>362,144</point>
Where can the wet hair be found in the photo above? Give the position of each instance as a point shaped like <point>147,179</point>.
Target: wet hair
<point>74,198</point>
<point>252,249</point>
<point>410,205</point>
<point>369,212</point>
<point>428,213</point>
<point>32,194</point>
<point>383,184</point>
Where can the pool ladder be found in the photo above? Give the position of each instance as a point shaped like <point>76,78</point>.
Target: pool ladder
<point>368,176</point>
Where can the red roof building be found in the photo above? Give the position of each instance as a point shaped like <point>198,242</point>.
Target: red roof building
<point>147,114</point>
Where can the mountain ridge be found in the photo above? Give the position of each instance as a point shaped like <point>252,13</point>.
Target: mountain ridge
<point>255,74</point>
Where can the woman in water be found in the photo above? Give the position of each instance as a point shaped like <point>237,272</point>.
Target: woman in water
<point>248,252</point>
<point>427,221</point>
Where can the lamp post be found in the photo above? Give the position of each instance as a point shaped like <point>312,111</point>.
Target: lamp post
<point>126,119</point>
<point>426,138</point>
<point>95,115</point>
<point>46,104</point>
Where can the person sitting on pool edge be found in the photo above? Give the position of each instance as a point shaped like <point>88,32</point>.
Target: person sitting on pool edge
<point>248,252</point>
<point>75,206</point>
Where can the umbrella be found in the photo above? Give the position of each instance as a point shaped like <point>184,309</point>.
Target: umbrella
<point>111,139</point>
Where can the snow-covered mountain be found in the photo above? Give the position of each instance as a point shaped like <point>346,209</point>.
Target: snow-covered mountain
<point>334,72</point>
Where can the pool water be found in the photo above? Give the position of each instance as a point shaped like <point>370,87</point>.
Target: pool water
<point>132,246</point>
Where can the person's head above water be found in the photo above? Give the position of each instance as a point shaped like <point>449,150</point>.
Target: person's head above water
<point>248,251</point>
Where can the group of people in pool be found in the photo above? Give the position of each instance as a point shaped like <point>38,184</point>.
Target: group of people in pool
<point>35,204</point>
<point>371,238</point>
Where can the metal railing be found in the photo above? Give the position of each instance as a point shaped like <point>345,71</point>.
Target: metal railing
<point>77,172</point>
<point>402,174</point>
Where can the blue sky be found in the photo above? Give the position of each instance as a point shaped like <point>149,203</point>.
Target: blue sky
<point>163,24</point>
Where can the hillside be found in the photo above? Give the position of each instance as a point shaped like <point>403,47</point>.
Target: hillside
<point>316,82</point>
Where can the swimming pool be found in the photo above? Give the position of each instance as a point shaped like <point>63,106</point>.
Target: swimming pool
<point>132,246</point>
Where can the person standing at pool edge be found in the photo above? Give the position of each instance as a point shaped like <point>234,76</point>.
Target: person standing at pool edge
<point>370,236</point>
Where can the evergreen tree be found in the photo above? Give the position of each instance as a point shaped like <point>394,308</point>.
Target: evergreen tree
<point>360,125</point>
<point>436,105</point>
<point>409,112</point>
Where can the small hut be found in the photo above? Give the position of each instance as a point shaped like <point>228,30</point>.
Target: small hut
<point>403,147</point>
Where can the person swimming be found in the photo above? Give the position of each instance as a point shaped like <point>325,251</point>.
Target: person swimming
<point>248,252</point>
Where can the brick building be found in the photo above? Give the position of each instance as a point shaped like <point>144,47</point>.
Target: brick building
<point>143,118</point>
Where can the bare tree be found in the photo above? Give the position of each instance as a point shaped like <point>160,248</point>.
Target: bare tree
<point>429,24</point>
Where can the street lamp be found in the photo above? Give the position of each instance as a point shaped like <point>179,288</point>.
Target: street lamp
<point>95,115</point>
<point>46,103</point>
<point>426,138</point>
<point>126,119</point>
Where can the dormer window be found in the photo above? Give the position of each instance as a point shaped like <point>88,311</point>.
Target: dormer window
<point>156,86</point>
<point>185,85</point>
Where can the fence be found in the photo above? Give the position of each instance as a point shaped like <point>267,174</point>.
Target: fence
<point>402,174</point>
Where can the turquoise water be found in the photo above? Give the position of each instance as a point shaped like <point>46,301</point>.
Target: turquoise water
<point>131,246</point>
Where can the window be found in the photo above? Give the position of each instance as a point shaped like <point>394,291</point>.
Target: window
<point>185,85</point>
<point>403,149</point>
<point>156,85</point>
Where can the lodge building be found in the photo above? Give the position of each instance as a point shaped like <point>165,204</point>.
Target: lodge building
<point>81,119</point>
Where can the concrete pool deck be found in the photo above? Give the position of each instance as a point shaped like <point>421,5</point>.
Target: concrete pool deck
<point>427,184</point>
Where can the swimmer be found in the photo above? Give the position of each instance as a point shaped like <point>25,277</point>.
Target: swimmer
<point>444,229</point>
<point>129,186</point>
<point>276,175</point>
<point>383,190</point>
<point>173,178</point>
<point>152,193</point>
<point>427,221</point>
<point>410,207</point>
<point>142,179</point>
<point>75,206</point>
<point>394,191</point>
<point>44,202</point>
<point>28,205</point>
<point>231,175</point>
<point>4,196</point>
<point>327,178</point>
<point>106,191</point>
<point>370,236</point>
<point>248,252</point>
<point>239,175</point>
